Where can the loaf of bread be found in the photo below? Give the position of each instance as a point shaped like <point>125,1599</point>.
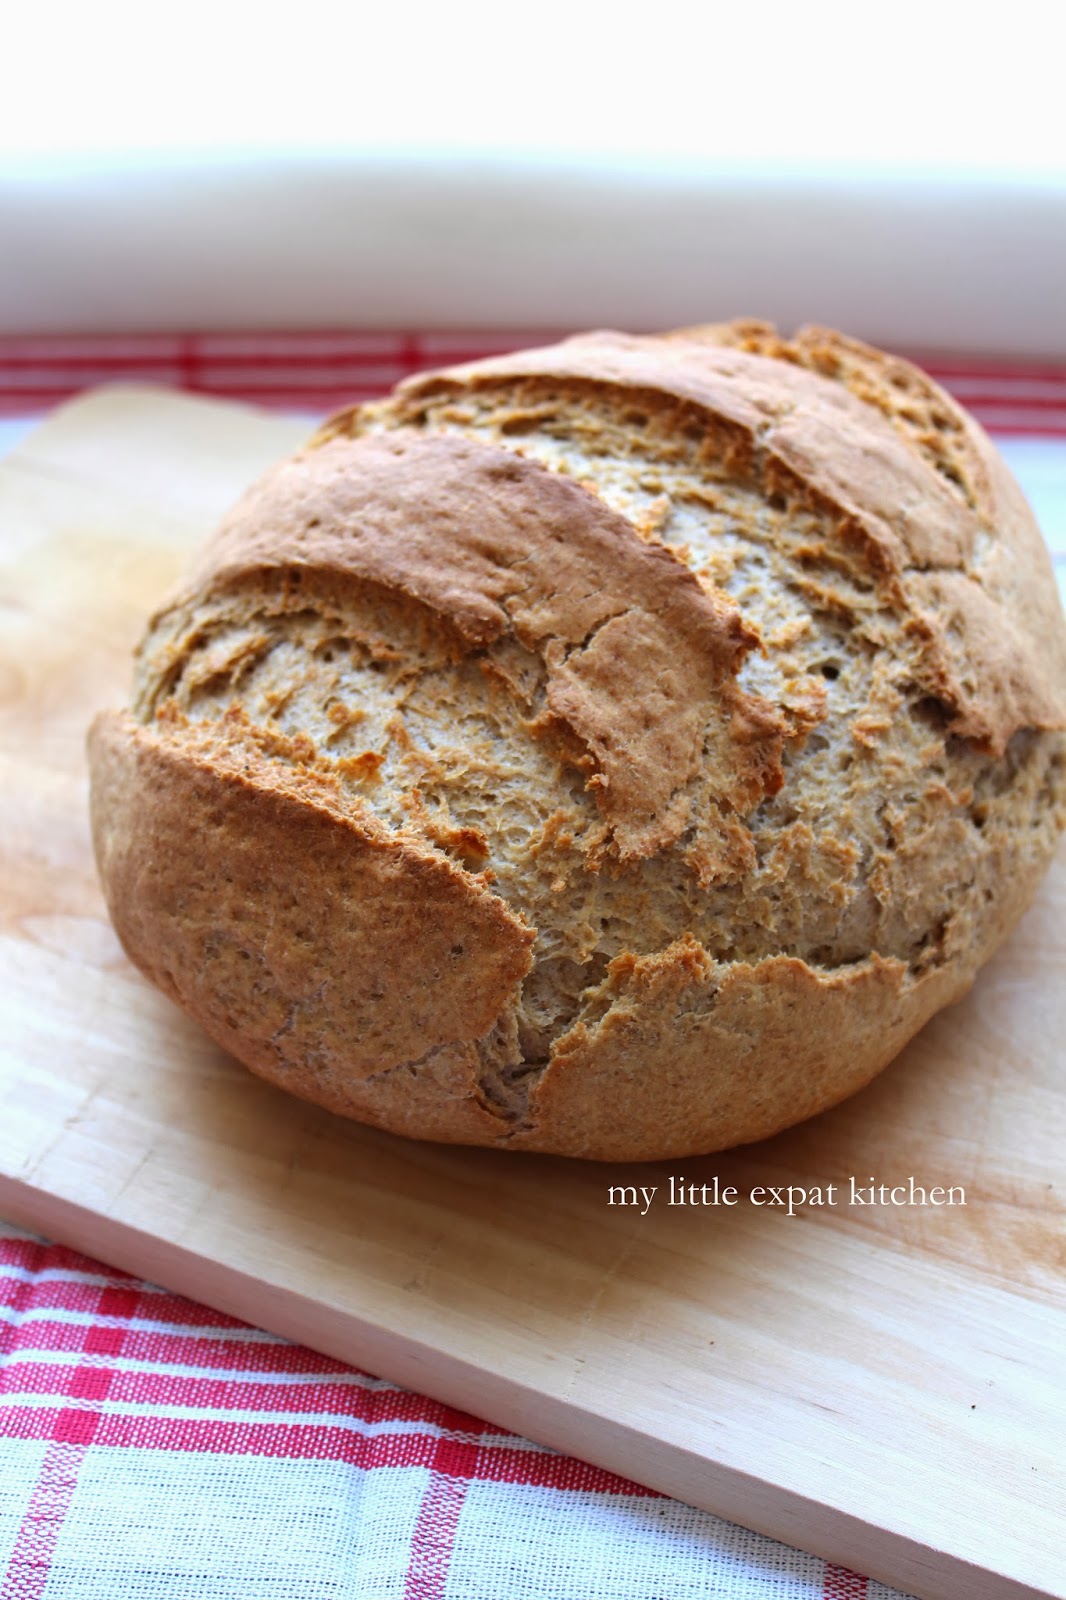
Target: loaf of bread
<point>617,749</point>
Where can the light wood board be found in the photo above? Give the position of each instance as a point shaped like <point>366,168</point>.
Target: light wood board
<point>881,1385</point>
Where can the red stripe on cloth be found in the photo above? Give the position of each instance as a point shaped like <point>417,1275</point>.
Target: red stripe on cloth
<point>433,1539</point>
<point>236,1348</point>
<point>406,351</point>
<point>188,363</point>
<point>40,349</point>
<point>36,1256</point>
<point>1001,422</point>
<point>998,429</point>
<point>31,1559</point>
<point>63,1294</point>
<point>1007,390</point>
<point>842,1584</point>
<point>510,1460</point>
<point>73,1430</point>
<point>371,1403</point>
<point>944,370</point>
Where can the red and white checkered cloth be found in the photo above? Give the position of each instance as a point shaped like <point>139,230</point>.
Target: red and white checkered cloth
<point>152,1449</point>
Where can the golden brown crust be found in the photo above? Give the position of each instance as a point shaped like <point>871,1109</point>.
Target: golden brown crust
<point>420,955</point>
<point>714,1055</point>
<point>618,749</point>
<point>817,438</point>
<point>635,667</point>
<point>717,1057</point>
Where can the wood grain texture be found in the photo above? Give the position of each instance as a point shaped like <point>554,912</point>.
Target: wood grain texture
<point>883,1386</point>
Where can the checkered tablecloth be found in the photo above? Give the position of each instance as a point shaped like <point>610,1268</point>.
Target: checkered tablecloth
<point>153,1449</point>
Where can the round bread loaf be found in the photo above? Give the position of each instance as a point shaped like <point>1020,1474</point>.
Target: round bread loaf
<point>617,749</point>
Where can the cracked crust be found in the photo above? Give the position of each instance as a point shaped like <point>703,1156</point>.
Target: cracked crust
<point>619,749</point>
<point>852,462</point>
<point>510,550</point>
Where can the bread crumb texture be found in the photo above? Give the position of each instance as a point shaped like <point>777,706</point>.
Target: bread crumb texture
<point>617,749</point>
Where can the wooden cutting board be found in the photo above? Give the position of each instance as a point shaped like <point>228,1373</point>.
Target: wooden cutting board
<point>880,1384</point>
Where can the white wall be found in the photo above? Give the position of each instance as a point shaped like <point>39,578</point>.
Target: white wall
<point>898,170</point>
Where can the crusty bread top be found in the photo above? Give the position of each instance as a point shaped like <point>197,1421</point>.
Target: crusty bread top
<point>636,668</point>
<point>936,545</point>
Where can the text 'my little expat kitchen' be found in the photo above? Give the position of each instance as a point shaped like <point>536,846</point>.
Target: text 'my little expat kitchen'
<point>788,1197</point>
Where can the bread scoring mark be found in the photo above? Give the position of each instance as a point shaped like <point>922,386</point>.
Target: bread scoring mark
<point>736,1028</point>
<point>926,417</point>
<point>813,432</point>
<point>882,495</point>
<point>641,665</point>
